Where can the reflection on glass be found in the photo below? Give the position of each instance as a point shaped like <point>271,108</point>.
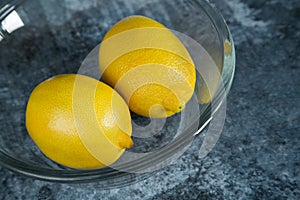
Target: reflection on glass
<point>11,23</point>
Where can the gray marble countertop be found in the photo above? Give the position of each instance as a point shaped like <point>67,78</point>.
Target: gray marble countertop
<point>258,153</point>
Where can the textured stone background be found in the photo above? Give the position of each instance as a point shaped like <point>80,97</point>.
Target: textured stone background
<point>258,154</point>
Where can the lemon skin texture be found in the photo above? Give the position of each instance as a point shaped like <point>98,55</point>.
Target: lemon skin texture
<point>148,65</point>
<point>68,123</point>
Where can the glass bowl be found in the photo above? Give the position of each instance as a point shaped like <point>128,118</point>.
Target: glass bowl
<point>40,39</point>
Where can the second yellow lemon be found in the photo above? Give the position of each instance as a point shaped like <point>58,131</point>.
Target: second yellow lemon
<point>148,65</point>
<point>78,121</point>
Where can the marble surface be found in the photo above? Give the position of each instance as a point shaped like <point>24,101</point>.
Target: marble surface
<point>258,154</point>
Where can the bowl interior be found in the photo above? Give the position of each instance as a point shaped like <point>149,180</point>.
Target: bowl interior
<point>54,37</point>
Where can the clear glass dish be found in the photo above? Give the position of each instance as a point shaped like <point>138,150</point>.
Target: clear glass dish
<point>40,39</point>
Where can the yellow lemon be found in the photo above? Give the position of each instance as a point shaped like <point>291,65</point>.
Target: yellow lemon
<point>78,121</point>
<point>148,65</point>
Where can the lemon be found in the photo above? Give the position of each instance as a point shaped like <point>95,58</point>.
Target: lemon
<point>148,65</point>
<point>78,121</point>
